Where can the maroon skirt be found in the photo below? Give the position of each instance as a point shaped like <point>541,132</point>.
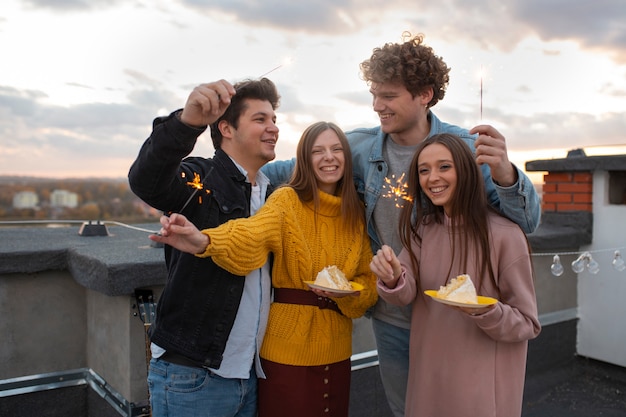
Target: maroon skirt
<point>304,391</point>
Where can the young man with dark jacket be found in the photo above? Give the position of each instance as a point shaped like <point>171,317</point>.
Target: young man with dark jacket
<point>209,323</point>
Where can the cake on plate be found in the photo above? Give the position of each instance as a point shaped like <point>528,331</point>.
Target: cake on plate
<point>332,277</point>
<point>460,289</point>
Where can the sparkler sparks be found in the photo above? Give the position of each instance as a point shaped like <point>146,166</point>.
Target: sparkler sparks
<point>397,189</point>
<point>197,185</point>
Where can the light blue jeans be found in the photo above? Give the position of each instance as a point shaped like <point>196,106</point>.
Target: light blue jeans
<point>177,390</point>
<point>392,343</point>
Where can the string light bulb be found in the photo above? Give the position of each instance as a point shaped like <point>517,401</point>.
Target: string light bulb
<point>618,262</point>
<point>592,265</point>
<point>578,265</point>
<point>556,268</point>
<point>585,260</point>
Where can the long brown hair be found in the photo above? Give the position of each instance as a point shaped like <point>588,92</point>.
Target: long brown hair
<point>468,215</point>
<point>304,182</point>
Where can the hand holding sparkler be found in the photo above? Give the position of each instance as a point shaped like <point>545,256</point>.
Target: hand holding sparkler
<point>206,103</point>
<point>386,266</point>
<point>180,233</point>
<point>491,150</point>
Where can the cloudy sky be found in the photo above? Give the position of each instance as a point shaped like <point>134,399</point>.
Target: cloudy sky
<point>81,80</point>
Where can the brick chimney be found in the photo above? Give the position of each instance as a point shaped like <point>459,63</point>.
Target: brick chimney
<point>567,201</point>
<point>567,191</point>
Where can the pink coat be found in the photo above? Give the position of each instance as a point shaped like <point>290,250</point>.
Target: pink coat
<point>462,365</point>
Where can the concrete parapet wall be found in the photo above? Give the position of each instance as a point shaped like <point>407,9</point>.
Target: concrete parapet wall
<point>42,322</point>
<point>50,323</point>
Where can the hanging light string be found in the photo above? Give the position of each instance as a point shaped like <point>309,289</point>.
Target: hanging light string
<point>585,260</point>
<point>50,222</point>
<point>579,252</point>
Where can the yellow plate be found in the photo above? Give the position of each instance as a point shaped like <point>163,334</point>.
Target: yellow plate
<point>482,301</point>
<point>356,287</point>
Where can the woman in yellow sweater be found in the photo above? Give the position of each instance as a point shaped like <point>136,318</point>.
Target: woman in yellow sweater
<point>316,220</point>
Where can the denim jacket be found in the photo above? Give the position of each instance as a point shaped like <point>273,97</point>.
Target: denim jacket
<point>199,303</point>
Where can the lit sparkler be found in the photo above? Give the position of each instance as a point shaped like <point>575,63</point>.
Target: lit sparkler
<point>483,77</point>
<point>397,189</point>
<point>270,71</point>
<point>286,61</point>
<point>482,72</point>
<point>197,185</point>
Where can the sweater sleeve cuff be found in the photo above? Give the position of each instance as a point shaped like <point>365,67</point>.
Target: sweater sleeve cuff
<point>207,250</point>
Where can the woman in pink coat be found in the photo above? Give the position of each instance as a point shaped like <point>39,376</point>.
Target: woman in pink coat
<point>464,361</point>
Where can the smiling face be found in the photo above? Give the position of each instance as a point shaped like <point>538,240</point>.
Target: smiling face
<point>437,175</point>
<point>401,115</point>
<point>328,161</point>
<point>252,143</point>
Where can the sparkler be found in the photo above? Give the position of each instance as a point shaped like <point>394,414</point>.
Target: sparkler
<point>286,61</point>
<point>270,71</point>
<point>197,185</point>
<point>481,92</point>
<point>397,190</point>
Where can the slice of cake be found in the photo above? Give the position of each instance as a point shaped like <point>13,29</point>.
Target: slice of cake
<point>332,277</point>
<point>460,289</point>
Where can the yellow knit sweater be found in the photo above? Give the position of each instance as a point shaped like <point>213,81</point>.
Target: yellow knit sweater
<point>302,244</point>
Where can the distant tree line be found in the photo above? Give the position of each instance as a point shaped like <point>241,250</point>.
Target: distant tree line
<point>98,199</point>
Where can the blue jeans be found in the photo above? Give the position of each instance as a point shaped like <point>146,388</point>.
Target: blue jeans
<point>177,390</point>
<point>392,343</point>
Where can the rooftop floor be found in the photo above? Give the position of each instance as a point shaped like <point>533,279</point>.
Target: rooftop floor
<point>583,388</point>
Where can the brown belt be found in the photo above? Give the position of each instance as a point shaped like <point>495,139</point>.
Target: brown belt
<point>309,298</point>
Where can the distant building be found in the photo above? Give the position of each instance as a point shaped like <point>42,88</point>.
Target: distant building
<point>63,198</point>
<point>25,200</point>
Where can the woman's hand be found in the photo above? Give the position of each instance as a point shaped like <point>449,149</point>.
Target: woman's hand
<point>386,266</point>
<point>181,234</point>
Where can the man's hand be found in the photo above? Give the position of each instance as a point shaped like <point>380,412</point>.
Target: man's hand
<point>491,150</point>
<point>206,103</point>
